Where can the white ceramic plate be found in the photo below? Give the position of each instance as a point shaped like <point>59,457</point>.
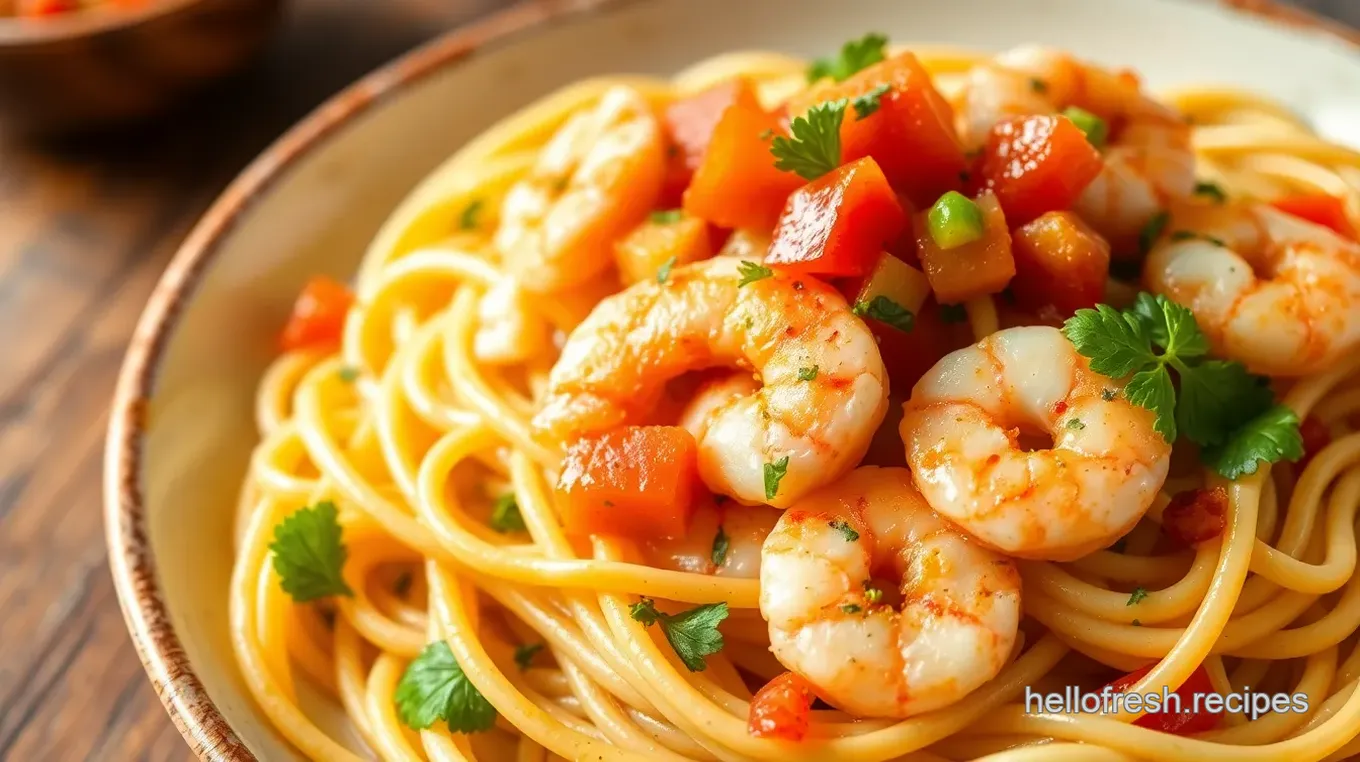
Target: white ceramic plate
<point>182,422</point>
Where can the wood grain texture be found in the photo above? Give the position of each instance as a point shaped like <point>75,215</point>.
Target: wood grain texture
<point>85,229</point>
<point>86,226</point>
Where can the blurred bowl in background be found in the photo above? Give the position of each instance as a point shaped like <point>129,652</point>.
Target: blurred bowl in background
<point>97,67</point>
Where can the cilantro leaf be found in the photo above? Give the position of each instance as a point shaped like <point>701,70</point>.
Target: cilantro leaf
<point>1220,406</point>
<point>467,220</point>
<point>721,543</point>
<point>854,56</point>
<point>1171,325</point>
<point>505,515</point>
<point>1212,190</point>
<point>868,103</point>
<point>1116,344</point>
<point>953,313</point>
<point>1271,436</point>
<point>1152,389</point>
<point>644,611</point>
<point>693,634</point>
<point>751,272</point>
<point>666,216</point>
<point>1138,595</point>
<point>1188,235</point>
<point>807,374</point>
<point>524,654</point>
<point>434,687</point>
<point>1152,231</point>
<point>664,271</point>
<point>847,531</point>
<point>885,310</point>
<point>815,147</point>
<point>774,473</point>
<point>309,555</point>
<point>1216,397</point>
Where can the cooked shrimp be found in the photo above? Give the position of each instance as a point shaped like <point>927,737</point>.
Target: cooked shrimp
<point>594,180</point>
<point>724,540</point>
<point>1276,292</point>
<point>830,623</point>
<point>1148,157</point>
<point>509,329</point>
<point>711,397</point>
<point>823,387</point>
<point>963,429</point>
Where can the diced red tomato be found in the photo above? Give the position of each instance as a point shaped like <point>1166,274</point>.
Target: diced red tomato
<point>1196,515</point>
<point>781,709</point>
<point>736,185</point>
<point>1319,208</point>
<point>637,481</point>
<point>318,317</point>
<point>642,253</point>
<point>981,267</point>
<point>1315,436</point>
<point>1037,164</point>
<point>837,224</point>
<point>1185,722</point>
<point>1059,262</point>
<point>911,133</point>
<point>690,122</point>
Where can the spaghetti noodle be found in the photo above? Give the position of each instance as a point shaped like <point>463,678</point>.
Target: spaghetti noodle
<point>413,439</point>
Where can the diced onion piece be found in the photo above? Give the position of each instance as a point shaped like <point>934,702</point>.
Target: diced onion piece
<point>897,281</point>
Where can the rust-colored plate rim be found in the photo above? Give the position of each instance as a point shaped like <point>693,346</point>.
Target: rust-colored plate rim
<point>130,555</point>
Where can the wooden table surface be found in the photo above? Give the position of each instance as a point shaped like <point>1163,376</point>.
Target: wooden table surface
<point>85,229</point>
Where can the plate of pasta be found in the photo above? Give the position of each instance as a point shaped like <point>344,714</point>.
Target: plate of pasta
<point>888,383</point>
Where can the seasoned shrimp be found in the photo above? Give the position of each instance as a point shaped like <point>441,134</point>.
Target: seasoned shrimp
<point>509,329</point>
<point>963,427</point>
<point>711,397</point>
<point>1268,289</point>
<point>1148,157</point>
<point>724,540</point>
<point>823,388</point>
<point>594,180</point>
<point>831,623</point>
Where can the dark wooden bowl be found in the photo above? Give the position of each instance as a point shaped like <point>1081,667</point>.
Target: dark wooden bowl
<point>102,67</point>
